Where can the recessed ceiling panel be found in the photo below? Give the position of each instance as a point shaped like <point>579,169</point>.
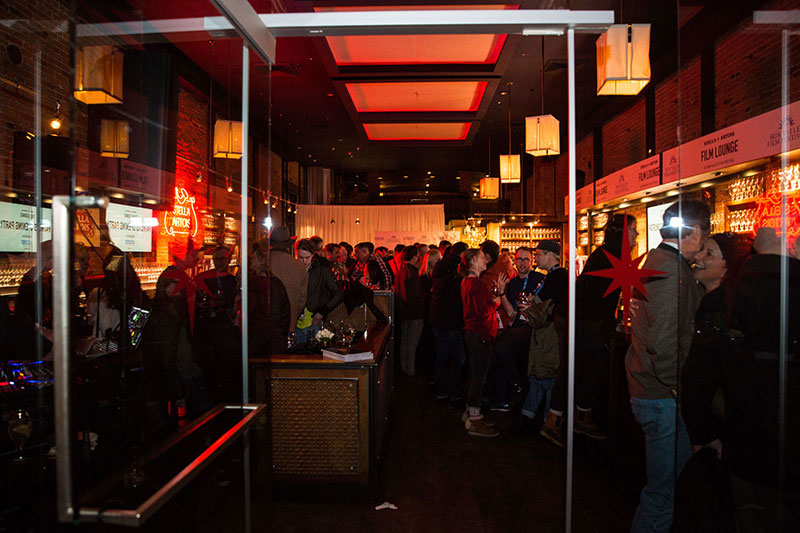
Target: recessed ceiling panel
<point>416,96</point>
<point>354,50</point>
<point>424,131</point>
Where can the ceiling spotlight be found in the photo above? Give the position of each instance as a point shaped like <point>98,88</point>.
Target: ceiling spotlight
<point>427,184</point>
<point>333,221</point>
<point>275,204</point>
<point>503,221</point>
<point>288,209</point>
<point>358,221</point>
<point>429,173</point>
<point>199,177</point>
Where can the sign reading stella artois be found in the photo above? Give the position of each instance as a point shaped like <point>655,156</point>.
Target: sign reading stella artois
<point>768,213</point>
<point>182,220</point>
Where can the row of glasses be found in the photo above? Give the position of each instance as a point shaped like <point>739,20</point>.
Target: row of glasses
<point>742,220</point>
<point>746,187</point>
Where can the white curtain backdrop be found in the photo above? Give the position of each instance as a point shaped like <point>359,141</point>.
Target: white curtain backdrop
<point>336,223</point>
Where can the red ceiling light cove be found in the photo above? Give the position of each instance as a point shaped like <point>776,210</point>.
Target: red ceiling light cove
<point>417,96</point>
<point>449,131</point>
<point>482,49</point>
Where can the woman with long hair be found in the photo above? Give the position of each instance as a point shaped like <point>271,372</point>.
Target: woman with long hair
<point>480,330</point>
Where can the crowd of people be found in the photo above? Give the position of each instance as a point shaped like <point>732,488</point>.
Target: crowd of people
<point>711,360</point>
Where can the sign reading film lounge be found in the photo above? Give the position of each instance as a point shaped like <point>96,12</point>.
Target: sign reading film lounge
<point>629,180</point>
<point>755,138</point>
<point>584,198</point>
<point>18,224</point>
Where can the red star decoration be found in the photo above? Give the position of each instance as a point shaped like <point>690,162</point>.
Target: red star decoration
<point>625,274</point>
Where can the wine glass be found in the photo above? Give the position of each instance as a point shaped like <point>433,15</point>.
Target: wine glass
<point>20,426</point>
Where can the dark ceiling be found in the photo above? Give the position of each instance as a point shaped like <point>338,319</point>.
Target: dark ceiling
<point>314,121</point>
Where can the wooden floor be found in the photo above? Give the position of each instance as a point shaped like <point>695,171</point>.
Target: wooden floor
<point>441,479</point>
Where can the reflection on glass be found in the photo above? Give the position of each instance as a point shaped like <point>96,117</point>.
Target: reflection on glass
<point>20,426</point>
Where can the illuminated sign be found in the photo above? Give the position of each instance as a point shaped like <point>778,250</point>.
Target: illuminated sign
<point>123,230</point>
<point>768,213</point>
<point>183,218</point>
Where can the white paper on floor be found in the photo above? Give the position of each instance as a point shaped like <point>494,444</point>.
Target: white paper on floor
<point>385,505</point>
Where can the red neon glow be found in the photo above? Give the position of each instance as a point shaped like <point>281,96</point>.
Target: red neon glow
<point>482,49</point>
<point>768,213</point>
<point>417,96</point>
<point>421,131</point>
<point>183,218</point>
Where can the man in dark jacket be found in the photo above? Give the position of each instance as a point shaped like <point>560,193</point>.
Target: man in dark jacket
<point>447,321</point>
<point>408,306</point>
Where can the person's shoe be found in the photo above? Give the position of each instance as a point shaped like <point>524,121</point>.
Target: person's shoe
<point>586,426</point>
<point>465,418</point>
<point>480,428</point>
<point>551,430</point>
<point>501,407</point>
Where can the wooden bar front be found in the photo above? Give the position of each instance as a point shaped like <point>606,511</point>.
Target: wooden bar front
<point>326,418</point>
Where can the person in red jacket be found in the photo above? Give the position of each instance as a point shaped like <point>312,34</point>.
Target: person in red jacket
<point>480,329</point>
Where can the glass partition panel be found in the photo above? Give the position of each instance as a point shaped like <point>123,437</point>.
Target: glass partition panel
<point>127,120</point>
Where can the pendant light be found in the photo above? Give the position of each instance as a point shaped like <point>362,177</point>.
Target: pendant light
<point>98,75</point>
<point>623,59</point>
<point>542,135</point>
<point>228,133</point>
<point>489,187</point>
<point>509,163</point>
<point>114,138</point>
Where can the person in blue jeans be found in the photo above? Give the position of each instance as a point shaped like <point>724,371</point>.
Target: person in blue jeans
<point>661,334</point>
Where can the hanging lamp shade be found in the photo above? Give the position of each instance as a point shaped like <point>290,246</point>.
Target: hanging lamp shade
<point>114,138</point>
<point>227,139</point>
<point>510,168</point>
<point>98,75</point>
<point>490,188</point>
<point>542,136</point>
<point>623,59</point>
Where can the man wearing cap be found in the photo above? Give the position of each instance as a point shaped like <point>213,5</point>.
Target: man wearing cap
<point>545,349</point>
<point>661,332</point>
<point>289,270</point>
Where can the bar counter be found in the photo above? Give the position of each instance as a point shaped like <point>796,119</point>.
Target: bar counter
<point>326,419</point>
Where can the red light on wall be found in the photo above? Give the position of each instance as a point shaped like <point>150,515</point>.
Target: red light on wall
<point>768,213</point>
<point>417,96</point>
<point>423,131</point>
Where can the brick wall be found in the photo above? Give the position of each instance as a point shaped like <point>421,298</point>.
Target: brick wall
<point>668,107</point>
<point>748,69</point>
<point>584,156</point>
<point>192,144</point>
<point>624,140</point>
<point>34,32</point>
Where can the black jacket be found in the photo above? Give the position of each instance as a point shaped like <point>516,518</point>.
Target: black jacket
<point>324,294</point>
<point>735,349</point>
<point>446,309</point>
